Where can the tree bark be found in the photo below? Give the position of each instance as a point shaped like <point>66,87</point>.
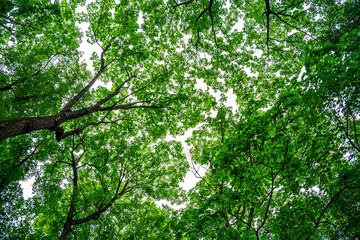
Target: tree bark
<point>19,126</point>
<point>66,230</point>
<point>250,218</point>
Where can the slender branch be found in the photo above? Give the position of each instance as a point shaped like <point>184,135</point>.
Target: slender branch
<point>138,90</point>
<point>15,22</point>
<point>7,175</point>
<point>290,25</point>
<point>205,10</point>
<point>10,86</point>
<point>329,203</point>
<point>348,136</point>
<point>213,29</point>
<point>76,98</point>
<point>9,29</point>
<point>117,90</point>
<point>197,175</point>
<point>287,15</point>
<point>80,129</point>
<point>183,3</point>
<point>267,207</point>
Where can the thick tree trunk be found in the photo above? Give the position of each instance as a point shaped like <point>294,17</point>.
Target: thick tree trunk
<point>66,230</point>
<point>18,126</point>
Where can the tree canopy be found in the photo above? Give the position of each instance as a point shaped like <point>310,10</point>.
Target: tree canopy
<point>280,164</point>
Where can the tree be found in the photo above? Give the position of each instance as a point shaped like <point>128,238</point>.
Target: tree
<point>54,90</point>
<point>88,178</point>
<point>263,172</point>
<point>127,59</point>
<point>45,85</point>
<point>284,164</point>
<point>302,129</point>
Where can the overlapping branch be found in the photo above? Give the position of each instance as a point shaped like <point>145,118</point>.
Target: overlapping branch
<point>278,15</point>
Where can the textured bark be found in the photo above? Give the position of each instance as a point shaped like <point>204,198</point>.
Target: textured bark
<point>19,126</point>
<point>66,231</point>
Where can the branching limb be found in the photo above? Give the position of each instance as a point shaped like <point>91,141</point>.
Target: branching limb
<point>116,92</point>
<point>290,25</point>
<point>268,12</point>
<point>317,224</point>
<point>196,173</point>
<point>267,207</point>
<point>80,129</point>
<point>76,98</point>
<point>10,86</point>
<point>5,176</point>
<point>205,10</point>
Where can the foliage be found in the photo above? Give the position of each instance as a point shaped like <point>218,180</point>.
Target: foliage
<point>281,164</point>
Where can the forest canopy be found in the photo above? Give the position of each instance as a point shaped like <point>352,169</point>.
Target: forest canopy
<point>281,163</point>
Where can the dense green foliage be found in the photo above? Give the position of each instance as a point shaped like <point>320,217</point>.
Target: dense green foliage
<point>281,164</point>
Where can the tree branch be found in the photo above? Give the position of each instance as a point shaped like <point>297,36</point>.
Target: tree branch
<point>76,98</point>
<point>329,203</point>
<point>205,10</point>
<point>8,87</point>
<point>183,3</point>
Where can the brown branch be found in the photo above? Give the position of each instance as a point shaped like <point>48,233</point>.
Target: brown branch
<point>71,213</point>
<point>76,98</point>
<point>213,29</point>
<point>15,22</point>
<point>197,175</point>
<point>83,127</point>
<point>290,25</point>
<point>119,58</point>
<point>267,207</point>
<point>138,90</point>
<point>287,15</point>
<point>116,92</point>
<point>205,10</point>
<point>268,12</point>
<point>348,136</point>
<point>250,218</point>
<point>7,175</point>
<point>183,3</point>
<point>277,14</point>
<point>328,205</point>
<point>19,126</point>
<point>94,215</point>
<point>248,225</point>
